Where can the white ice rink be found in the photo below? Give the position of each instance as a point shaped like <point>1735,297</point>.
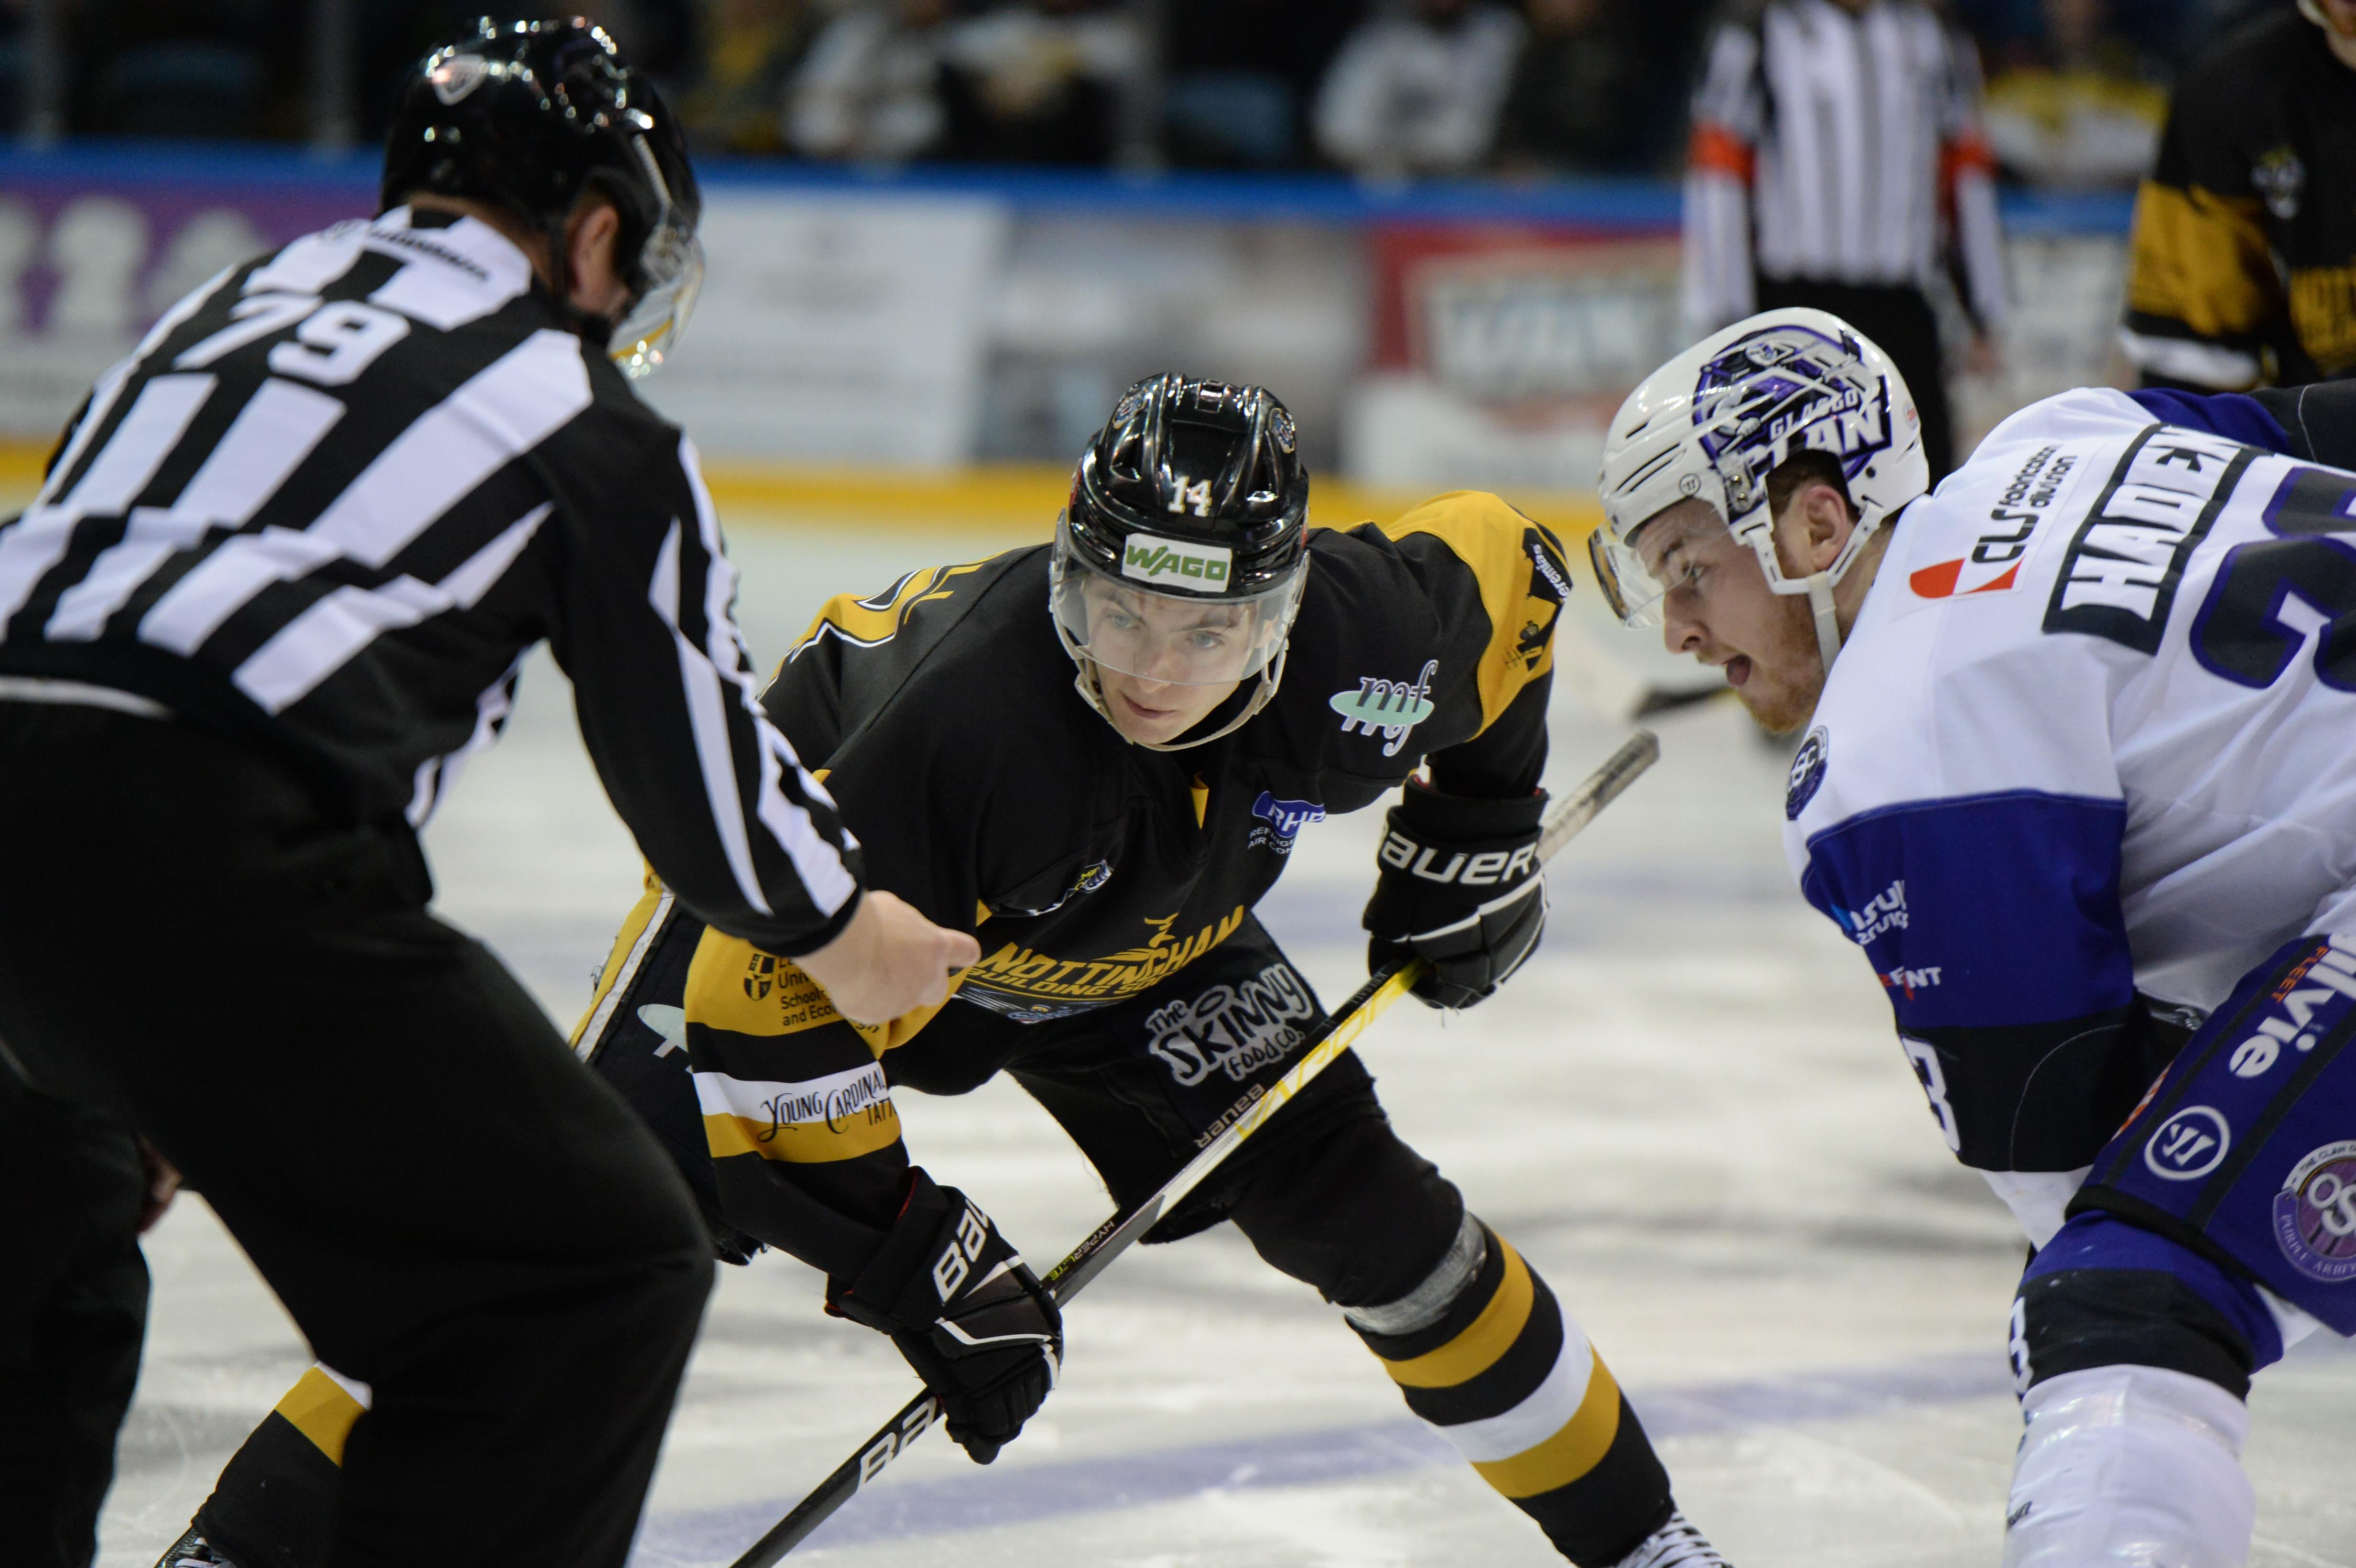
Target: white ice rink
<point>1689,1112</point>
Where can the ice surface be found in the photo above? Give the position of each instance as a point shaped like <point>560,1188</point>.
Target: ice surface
<point>1689,1112</point>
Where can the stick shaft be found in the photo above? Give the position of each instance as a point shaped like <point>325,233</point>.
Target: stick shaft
<point>1112,1238</point>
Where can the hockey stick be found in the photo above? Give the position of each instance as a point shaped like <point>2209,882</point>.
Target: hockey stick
<point>1112,1238</point>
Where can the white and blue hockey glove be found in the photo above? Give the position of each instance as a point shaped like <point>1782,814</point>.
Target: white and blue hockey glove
<point>1459,885</point>
<point>966,1311</point>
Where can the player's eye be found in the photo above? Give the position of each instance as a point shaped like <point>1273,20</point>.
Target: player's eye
<point>1204,641</point>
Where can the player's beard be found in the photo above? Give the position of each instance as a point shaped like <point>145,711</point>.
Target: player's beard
<point>1787,677</point>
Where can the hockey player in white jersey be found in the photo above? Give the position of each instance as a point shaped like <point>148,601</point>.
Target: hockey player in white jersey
<point>2077,777</point>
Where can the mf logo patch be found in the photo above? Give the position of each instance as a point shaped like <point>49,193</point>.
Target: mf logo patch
<point>1280,821</point>
<point>1234,1029</point>
<point>1177,563</point>
<point>1393,707</point>
<point>1807,772</point>
<point>2315,1213</point>
<point>2120,576</point>
<point>2189,1144</point>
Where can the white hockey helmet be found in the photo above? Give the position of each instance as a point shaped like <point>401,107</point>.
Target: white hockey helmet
<point>1712,423</point>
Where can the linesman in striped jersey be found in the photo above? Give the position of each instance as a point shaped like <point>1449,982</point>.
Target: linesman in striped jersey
<point>1837,163</point>
<point>273,591</point>
<point>1098,753</point>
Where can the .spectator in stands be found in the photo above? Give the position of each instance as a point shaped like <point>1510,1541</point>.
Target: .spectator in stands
<point>870,89</point>
<point>1040,81</point>
<point>751,50</point>
<point>1587,94</point>
<point>2241,269</point>
<point>2082,109</point>
<point>1417,90</point>
<point>1829,136</point>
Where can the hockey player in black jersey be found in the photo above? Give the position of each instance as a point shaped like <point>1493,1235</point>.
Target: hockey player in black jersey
<point>1096,753</point>
<point>275,589</point>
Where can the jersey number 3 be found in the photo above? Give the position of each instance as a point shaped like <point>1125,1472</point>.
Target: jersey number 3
<point>2270,595</point>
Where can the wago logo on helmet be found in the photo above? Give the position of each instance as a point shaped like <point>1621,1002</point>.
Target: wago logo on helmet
<point>1177,562</point>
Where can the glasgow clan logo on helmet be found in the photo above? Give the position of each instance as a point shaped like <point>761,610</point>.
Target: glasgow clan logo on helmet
<point>1782,390</point>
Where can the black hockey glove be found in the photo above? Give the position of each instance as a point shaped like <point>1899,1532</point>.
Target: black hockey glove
<point>1458,885</point>
<point>965,1310</point>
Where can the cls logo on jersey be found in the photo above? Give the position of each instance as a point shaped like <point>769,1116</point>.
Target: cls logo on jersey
<point>2313,998</point>
<point>1993,563</point>
<point>1177,562</point>
<point>1884,913</point>
<point>1807,772</point>
<point>1393,707</point>
<point>2189,1144</point>
<point>1281,821</point>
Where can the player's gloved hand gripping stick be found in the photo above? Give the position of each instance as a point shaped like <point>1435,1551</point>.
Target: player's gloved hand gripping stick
<point>1109,1239</point>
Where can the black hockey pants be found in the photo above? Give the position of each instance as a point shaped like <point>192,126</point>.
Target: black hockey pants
<point>71,1188</point>
<point>450,1208</point>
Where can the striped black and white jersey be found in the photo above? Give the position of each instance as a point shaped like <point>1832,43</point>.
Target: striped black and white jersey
<point>1836,146</point>
<point>335,495</point>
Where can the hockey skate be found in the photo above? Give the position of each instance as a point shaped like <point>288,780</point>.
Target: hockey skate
<point>193,1550</point>
<point>1676,1544</point>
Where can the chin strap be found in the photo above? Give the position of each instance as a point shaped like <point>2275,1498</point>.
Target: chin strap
<point>1820,600</point>
<point>1091,693</point>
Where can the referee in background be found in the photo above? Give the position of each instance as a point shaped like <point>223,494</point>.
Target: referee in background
<point>1837,162</point>
<point>276,589</point>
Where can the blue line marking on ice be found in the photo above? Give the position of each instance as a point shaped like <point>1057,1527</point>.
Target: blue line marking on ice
<point>1021,1494</point>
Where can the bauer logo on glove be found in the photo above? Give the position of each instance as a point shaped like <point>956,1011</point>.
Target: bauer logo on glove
<point>1458,885</point>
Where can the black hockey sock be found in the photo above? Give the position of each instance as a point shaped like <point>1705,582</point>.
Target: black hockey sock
<point>1513,1383</point>
<point>274,1505</point>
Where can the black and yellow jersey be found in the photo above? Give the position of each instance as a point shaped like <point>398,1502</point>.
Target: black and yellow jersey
<point>986,792</point>
<point>2243,267</point>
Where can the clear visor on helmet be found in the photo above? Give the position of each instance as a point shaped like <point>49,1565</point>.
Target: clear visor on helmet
<point>1638,575</point>
<point>1632,591</point>
<point>671,265</point>
<point>1175,637</point>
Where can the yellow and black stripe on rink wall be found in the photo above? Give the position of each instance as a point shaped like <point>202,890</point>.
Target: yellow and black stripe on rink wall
<point>1514,1385</point>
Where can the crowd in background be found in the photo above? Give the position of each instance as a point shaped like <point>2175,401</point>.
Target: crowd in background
<point>1386,88</point>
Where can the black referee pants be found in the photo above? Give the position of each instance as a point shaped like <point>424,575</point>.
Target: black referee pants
<point>72,1316</point>
<point>451,1208</point>
<point>1901,321</point>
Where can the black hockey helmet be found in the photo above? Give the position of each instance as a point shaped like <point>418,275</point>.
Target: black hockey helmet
<point>529,116</point>
<point>1203,462</point>
<point>1182,554</point>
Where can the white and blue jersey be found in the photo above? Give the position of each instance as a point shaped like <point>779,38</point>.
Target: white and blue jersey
<point>2086,761</point>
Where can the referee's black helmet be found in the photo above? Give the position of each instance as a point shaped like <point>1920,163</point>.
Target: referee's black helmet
<point>531,115</point>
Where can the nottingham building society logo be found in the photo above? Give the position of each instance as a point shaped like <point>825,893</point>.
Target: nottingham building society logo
<point>456,77</point>
<point>1393,707</point>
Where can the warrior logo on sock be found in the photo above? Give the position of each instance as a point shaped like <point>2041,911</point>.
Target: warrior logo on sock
<point>1236,1030</point>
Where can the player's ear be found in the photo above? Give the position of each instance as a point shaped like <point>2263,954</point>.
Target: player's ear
<point>1822,523</point>
<point>592,235</point>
